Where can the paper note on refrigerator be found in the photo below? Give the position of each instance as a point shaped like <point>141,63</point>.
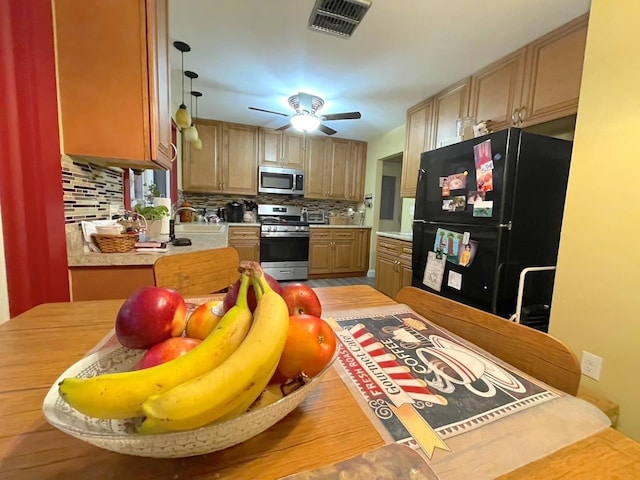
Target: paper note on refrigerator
<point>434,271</point>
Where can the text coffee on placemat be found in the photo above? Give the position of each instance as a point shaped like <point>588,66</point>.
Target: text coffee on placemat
<point>423,384</point>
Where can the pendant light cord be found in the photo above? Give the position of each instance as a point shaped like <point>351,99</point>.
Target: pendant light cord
<point>182,78</point>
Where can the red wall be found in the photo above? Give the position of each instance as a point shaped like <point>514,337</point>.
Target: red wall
<point>30,169</point>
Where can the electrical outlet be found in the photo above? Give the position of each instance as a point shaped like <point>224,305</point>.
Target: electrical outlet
<point>591,365</point>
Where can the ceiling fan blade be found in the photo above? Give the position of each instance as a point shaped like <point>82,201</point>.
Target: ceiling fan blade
<point>268,111</point>
<point>284,127</point>
<point>305,100</point>
<point>342,116</point>
<point>326,130</point>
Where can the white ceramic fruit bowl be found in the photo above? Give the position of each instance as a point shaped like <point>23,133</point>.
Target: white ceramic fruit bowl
<point>120,436</point>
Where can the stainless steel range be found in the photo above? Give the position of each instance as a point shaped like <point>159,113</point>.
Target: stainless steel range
<point>284,242</point>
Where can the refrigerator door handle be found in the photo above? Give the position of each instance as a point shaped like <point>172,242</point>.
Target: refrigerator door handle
<point>507,225</point>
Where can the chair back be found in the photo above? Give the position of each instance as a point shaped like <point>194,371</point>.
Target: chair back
<point>198,273</point>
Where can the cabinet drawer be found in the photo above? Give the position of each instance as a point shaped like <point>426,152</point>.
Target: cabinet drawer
<point>388,245</point>
<point>346,234</point>
<point>406,249</point>
<point>319,233</point>
<point>244,233</point>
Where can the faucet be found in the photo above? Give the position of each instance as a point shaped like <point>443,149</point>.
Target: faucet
<point>172,221</point>
<point>178,210</point>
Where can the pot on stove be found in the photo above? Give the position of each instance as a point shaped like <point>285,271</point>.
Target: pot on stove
<point>234,212</point>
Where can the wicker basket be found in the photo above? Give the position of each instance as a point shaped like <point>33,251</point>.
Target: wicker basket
<point>115,243</point>
<point>339,220</point>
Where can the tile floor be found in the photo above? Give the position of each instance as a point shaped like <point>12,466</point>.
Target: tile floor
<point>334,282</point>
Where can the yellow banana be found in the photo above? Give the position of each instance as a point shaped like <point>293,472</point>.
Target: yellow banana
<point>213,395</point>
<point>120,395</point>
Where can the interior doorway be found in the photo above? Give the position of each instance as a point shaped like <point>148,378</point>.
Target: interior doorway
<point>390,213</point>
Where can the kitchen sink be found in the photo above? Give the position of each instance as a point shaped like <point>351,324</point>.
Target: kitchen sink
<point>191,228</point>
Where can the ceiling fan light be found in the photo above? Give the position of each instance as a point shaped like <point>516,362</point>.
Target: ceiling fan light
<point>191,134</point>
<point>305,122</point>
<point>183,119</point>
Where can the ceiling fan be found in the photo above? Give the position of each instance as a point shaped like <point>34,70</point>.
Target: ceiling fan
<point>306,118</point>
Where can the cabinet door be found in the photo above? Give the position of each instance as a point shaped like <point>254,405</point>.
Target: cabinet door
<point>405,273</point>
<point>386,275</point>
<point>316,167</point>
<point>247,251</point>
<point>319,256</point>
<point>553,74</point>
<point>293,150</point>
<point>105,86</point>
<point>240,159</point>
<point>201,169</point>
<point>449,105</point>
<point>340,153</point>
<point>418,140</point>
<point>362,250</point>
<point>162,151</point>
<point>343,256</point>
<point>270,147</point>
<point>496,91</point>
<point>356,171</point>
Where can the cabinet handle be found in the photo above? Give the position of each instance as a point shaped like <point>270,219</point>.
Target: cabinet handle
<point>514,117</point>
<point>175,152</point>
<point>521,114</point>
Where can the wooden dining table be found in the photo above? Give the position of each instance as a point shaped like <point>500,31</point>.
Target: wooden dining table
<point>328,427</point>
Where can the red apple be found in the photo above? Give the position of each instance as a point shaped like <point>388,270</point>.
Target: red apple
<point>165,351</point>
<point>149,316</point>
<point>301,299</point>
<point>310,346</point>
<point>232,295</point>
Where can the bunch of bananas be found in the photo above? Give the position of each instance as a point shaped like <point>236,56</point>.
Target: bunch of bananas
<point>217,380</point>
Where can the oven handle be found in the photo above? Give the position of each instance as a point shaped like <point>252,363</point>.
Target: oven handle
<point>285,234</point>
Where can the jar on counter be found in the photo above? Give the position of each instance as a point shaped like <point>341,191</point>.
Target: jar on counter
<point>186,216</point>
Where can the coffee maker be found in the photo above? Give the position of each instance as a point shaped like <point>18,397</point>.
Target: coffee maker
<point>234,212</point>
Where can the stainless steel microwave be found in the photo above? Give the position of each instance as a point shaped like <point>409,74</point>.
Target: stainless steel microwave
<point>286,181</point>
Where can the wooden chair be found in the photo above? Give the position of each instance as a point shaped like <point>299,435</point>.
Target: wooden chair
<point>536,353</point>
<point>198,273</point>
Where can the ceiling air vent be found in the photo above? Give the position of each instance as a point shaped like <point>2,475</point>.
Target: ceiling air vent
<point>338,17</point>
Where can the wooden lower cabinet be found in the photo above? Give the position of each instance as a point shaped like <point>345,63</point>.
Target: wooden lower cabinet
<point>246,240</point>
<point>393,265</point>
<point>107,283</point>
<point>335,252</point>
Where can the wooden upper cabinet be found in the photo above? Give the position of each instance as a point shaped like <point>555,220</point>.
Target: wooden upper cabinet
<point>316,167</point>
<point>356,171</point>
<point>553,74</point>
<point>280,149</point>
<point>448,106</point>
<point>419,137</point>
<point>496,91</point>
<point>113,81</point>
<point>339,155</point>
<point>202,169</point>
<point>239,159</point>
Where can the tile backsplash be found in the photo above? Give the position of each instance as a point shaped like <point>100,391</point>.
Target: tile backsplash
<point>213,201</point>
<point>88,190</point>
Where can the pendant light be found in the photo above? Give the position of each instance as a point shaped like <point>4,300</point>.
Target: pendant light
<point>197,145</point>
<point>191,134</point>
<point>183,119</point>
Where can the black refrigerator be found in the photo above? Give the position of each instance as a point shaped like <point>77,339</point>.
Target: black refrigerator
<point>486,209</point>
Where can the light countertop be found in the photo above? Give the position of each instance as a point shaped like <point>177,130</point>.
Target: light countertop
<point>406,236</point>
<point>336,226</point>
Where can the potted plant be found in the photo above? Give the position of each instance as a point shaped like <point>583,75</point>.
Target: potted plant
<point>153,214</point>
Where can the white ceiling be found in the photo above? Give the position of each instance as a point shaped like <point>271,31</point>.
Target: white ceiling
<point>259,52</point>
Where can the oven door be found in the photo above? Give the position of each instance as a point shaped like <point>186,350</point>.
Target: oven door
<point>285,257</point>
